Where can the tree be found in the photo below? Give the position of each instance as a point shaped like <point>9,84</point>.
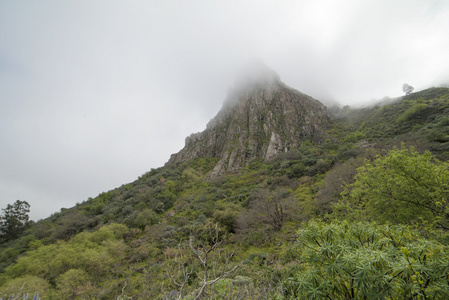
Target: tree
<point>207,248</point>
<point>74,283</point>
<point>209,252</point>
<point>401,187</point>
<point>407,89</point>
<point>345,260</point>
<point>144,218</point>
<point>334,182</point>
<point>14,220</point>
<point>268,207</point>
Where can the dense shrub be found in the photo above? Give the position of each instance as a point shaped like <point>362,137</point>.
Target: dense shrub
<point>367,261</point>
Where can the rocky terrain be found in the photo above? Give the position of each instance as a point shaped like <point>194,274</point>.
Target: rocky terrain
<point>260,119</point>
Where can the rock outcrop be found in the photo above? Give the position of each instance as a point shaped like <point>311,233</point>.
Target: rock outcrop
<point>260,119</point>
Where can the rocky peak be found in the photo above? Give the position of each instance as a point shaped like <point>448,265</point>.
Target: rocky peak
<point>260,118</point>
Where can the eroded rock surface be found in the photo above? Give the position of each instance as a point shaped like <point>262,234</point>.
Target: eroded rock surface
<point>260,119</point>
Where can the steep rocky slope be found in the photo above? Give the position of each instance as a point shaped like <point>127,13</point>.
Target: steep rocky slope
<point>260,119</point>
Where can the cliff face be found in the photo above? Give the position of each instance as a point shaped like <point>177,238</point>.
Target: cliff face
<point>260,119</point>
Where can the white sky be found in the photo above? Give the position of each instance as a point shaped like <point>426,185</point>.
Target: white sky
<point>95,93</point>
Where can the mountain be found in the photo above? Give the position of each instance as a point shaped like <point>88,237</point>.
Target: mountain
<point>259,120</point>
<point>304,204</point>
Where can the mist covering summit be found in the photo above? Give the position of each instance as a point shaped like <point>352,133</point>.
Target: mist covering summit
<point>261,118</point>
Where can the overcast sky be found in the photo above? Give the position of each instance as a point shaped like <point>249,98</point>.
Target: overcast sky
<point>94,94</point>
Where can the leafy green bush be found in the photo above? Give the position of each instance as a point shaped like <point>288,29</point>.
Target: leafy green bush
<point>19,287</point>
<point>145,218</point>
<point>354,137</point>
<point>401,187</point>
<point>368,261</point>
<point>79,265</point>
<point>412,112</point>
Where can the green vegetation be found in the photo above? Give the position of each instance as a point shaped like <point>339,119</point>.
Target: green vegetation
<point>364,215</point>
<point>415,119</point>
<point>402,187</point>
<point>343,260</point>
<point>414,111</point>
<point>14,220</point>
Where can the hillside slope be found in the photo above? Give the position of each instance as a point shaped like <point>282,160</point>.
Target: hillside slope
<point>420,119</point>
<point>142,240</point>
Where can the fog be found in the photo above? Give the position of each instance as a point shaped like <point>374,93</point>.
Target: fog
<point>95,93</point>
